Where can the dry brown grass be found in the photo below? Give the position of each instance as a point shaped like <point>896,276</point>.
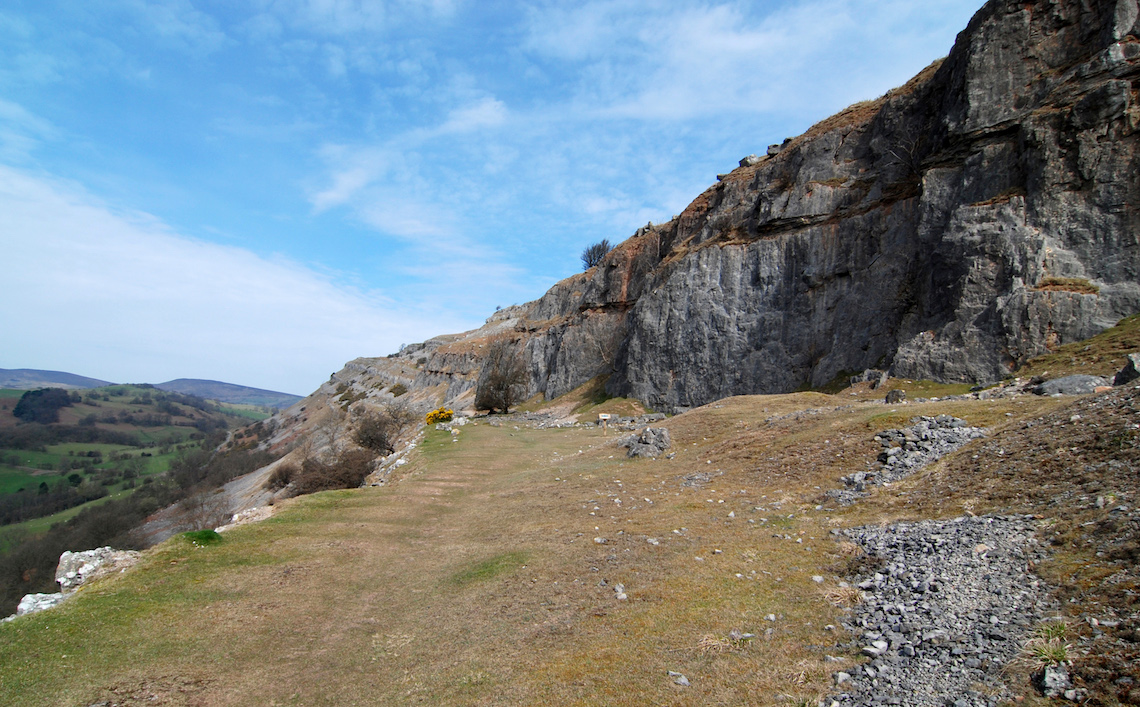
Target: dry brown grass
<point>475,579</point>
<point>1078,285</point>
<point>843,596</point>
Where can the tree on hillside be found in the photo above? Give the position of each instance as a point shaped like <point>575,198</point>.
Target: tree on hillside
<point>42,405</point>
<point>503,379</point>
<point>594,253</point>
<point>379,431</point>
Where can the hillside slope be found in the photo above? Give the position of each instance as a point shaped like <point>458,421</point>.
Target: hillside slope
<point>229,392</point>
<point>31,378</point>
<point>522,565</point>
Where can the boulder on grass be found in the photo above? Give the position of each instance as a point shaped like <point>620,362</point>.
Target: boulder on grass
<point>1071,385</point>
<point>650,443</point>
<point>1130,372</point>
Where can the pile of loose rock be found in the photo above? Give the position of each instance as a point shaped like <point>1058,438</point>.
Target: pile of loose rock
<point>650,442</point>
<point>951,603</point>
<point>907,450</point>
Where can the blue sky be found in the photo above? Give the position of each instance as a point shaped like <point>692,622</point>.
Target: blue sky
<point>257,191</point>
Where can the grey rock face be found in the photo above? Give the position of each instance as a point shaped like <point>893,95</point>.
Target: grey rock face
<point>976,217</point>
<point>1130,371</point>
<point>31,603</point>
<point>925,237</point>
<point>1071,385</point>
<point>75,568</point>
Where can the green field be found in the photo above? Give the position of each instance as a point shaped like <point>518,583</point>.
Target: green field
<point>164,425</point>
<point>249,412</point>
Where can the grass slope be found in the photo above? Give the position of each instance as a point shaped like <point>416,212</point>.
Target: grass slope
<point>486,574</point>
<point>477,579</point>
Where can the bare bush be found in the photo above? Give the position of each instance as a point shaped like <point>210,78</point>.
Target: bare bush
<point>204,511</point>
<point>281,477</point>
<point>593,253</point>
<point>502,381</point>
<point>380,431</point>
<point>347,471</point>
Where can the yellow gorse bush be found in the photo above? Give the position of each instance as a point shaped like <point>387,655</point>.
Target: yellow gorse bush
<point>440,415</point>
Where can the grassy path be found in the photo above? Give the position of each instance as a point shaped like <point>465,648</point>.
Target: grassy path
<point>487,575</point>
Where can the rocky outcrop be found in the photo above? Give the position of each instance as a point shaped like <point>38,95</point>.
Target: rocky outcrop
<point>978,216</point>
<point>73,571</point>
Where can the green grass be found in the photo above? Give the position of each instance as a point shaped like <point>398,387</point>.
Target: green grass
<point>1102,355</point>
<point>12,480</point>
<point>491,567</point>
<point>202,538</point>
<point>11,393</point>
<point>36,526</point>
<point>249,412</point>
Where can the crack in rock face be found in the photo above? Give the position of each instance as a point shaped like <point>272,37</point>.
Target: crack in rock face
<point>951,603</point>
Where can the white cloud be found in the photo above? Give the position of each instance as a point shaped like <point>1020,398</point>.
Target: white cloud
<point>354,17</point>
<point>693,60</point>
<point>487,113</point>
<point>177,23</point>
<point>120,296</point>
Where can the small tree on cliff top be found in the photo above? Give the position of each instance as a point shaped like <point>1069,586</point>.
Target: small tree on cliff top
<point>594,253</point>
<point>502,382</point>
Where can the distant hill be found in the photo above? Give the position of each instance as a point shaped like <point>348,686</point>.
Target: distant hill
<point>30,378</point>
<point>229,393</point>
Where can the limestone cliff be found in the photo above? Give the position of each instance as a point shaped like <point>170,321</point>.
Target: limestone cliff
<point>951,229</point>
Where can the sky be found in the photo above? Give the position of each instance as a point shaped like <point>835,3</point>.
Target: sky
<point>257,191</point>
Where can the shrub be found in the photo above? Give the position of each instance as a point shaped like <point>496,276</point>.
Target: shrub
<point>42,405</point>
<point>348,471</point>
<point>502,381</point>
<point>201,538</point>
<point>281,477</point>
<point>593,254</point>
<point>379,431</point>
<point>440,415</point>
<point>398,390</point>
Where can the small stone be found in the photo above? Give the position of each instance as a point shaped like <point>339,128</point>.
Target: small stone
<point>818,579</point>
<point>1052,680</point>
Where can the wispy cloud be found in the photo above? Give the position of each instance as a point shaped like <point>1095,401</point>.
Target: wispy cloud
<point>355,17</point>
<point>175,23</point>
<point>691,60</point>
<point>487,113</point>
<point>148,304</point>
<point>20,131</point>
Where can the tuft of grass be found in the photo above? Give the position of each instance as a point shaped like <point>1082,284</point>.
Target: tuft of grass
<point>1052,631</point>
<point>202,538</point>
<point>489,568</point>
<point>1078,285</point>
<point>1042,653</point>
<point>843,596</point>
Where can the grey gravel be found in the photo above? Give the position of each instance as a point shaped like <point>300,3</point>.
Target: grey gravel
<point>951,603</point>
<point>906,450</point>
